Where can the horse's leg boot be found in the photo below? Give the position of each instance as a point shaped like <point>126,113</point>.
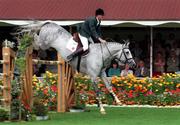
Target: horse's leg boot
<point>74,54</point>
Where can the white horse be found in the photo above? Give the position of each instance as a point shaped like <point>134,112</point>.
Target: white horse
<point>94,64</point>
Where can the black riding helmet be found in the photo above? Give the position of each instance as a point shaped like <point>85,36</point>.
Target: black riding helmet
<point>99,11</point>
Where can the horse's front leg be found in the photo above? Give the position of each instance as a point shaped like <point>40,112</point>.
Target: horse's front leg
<point>109,87</point>
<point>98,97</point>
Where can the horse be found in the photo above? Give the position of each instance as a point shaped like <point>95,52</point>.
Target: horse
<point>93,64</point>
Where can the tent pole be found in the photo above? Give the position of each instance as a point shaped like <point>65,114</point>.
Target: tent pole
<point>151,51</point>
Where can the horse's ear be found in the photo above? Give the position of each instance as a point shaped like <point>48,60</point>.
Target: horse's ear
<point>127,43</point>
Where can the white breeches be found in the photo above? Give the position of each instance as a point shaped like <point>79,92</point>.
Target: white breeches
<point>84,42</point>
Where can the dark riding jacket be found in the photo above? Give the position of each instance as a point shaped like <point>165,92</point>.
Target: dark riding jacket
<point>90,28</point>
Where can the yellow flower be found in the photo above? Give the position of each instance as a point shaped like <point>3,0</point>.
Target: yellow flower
<point>160,84</point>
<point>143,80</point>
<point>125,81</point>
<point>129,84</point>
<point>140,86</point>
<point>113,80</point>
<point>53,82</point>
<point>174,75</point>
<point>178,85</point>
<point>135,85</point>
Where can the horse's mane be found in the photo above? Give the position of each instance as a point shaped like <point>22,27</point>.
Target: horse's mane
<point>108,43</point>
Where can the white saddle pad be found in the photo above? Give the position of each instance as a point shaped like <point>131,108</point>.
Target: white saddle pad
<point>71,45</point>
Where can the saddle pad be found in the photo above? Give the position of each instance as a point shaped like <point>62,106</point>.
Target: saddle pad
<point>72,45</point>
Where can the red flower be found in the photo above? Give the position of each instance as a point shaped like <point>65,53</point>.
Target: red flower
<point>177,91</point>
<point>148,93</point>
<point>26,106</point>
<point>54,88</point>
<point>130,95</point>
<point>45,91</point>
<point>114,89</point>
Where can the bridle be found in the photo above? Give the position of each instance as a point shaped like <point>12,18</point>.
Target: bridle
<point>123,53</point>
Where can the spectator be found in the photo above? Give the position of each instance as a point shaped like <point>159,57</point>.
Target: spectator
<point>141,71</point>
<point>176,48</point>
<point>42,55</point>
<point>117,38</point>
<point>126,71</point>
<point>173,62</point>
<point>171,39</point>
<point>167,50</point>
<point>159,63</point>
<point>114,70</point>
<point>35,66</point>
<point>158,39</point>
<point>158,48</point>
<point>145,45</point>
<point>137,51</point>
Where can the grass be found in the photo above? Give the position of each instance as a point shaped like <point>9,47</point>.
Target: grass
<point>114,116</point>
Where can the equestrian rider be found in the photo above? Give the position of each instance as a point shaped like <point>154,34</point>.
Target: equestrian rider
<point>89,31</point>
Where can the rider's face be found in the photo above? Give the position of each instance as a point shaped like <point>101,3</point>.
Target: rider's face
<point>99,17</point>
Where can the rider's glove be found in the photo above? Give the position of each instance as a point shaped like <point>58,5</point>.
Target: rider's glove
<point>101,40</point>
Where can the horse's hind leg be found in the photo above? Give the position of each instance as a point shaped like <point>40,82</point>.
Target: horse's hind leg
<point>109,87</point>
<point>102,110</point>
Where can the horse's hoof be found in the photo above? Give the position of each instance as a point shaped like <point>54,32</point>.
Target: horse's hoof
<point>119,103</point>
<point>103,112</point>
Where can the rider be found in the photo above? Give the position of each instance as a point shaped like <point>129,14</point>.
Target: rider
<point>89,31</point>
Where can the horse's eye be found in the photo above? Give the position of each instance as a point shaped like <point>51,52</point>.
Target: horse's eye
<point>127,53</point>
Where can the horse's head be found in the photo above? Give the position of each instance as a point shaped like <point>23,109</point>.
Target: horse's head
<point>124,56</point>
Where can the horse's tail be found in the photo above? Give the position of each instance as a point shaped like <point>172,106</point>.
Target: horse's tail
<point>32,30</point>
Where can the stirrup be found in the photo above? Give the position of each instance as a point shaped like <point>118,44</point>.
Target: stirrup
<point>69,58</point>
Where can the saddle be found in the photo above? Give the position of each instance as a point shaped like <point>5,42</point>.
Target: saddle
<point>78,40</point>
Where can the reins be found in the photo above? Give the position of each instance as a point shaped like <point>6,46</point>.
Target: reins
<point>119,59</point>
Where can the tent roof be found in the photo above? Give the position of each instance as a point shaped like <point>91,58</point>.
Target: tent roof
<point>81,9</point>
<point>70,12</point>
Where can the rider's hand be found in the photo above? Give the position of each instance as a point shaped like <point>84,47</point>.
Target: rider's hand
<point>102,41</point>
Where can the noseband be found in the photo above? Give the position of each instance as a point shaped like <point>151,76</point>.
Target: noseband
<point>127,59</point>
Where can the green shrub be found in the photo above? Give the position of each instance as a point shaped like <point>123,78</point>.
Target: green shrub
<point>3,114</point>
<point>39,109</point>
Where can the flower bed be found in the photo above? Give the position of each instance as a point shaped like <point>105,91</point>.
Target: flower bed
<point>164,90</point>
<point>46,89</point>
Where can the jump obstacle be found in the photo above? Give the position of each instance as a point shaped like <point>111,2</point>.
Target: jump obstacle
<point>66,91</point>
<point>65,85</point>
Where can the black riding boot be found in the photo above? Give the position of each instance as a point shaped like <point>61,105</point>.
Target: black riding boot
<point>74,54</point>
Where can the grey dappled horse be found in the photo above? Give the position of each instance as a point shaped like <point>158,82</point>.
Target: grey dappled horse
<point>94,64</point>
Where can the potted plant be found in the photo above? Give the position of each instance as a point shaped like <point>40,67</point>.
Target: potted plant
<point>79,104</point>
<point>40,110</point>
<point>3,114</point>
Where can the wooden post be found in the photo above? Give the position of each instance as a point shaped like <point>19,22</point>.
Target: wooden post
<point>27,95</point>
<point>29,74</point>
<point>61,100</point>
<point>7,78</point>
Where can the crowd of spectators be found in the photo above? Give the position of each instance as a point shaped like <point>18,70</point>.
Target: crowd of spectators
<point>166,55</point>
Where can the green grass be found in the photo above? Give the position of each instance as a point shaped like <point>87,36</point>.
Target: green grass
<point>114,116</point>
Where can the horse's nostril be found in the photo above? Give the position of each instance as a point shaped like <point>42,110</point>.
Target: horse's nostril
<point>135,65</point>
